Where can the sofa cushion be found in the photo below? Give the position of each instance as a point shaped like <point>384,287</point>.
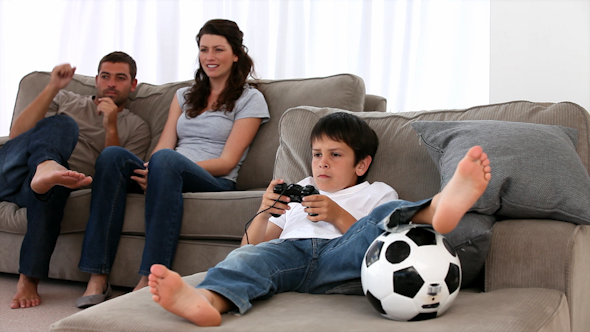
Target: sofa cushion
<point>524,309</point>
<point>344,91</point>
<point>402,161</point>
<point>536,172</point>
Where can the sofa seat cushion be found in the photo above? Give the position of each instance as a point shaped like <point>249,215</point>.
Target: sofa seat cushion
<point>207,206</point>
<point>213,216</point>
<point>522,309</point>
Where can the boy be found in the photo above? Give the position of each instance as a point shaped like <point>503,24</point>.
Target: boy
<point>314,254</point>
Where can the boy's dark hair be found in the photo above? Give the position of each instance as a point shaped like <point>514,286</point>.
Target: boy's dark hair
<point>117,57</point>
<point>351,130</point>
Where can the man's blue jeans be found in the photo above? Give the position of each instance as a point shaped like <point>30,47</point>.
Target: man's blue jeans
<point>170,174</point>
<point>53,138</point>
<point>302,265</point>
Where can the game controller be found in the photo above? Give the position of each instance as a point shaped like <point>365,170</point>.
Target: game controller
<point>295,192</point>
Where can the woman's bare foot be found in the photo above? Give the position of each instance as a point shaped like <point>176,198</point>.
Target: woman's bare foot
<point>96,285</point>
<point>50,173</point>
<point>178,297</point>
<point>468,183</point>
<point>143,282</point>
<point>26,293</point>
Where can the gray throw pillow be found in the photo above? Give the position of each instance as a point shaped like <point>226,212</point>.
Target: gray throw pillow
<point>536,172</point>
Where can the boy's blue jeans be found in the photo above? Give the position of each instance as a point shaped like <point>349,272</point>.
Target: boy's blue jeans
<point>170,174</point>
<point>53,138</point>
<point>302,265</point>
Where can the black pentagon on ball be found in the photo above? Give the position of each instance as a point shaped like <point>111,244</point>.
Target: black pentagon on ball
<point>397,252</point>
<point>422,236</point>
<point>376,303</point>
<point>407,282</point>
<point>453,278</point>
<point>423,316</point>
<point>373,253</point>
<point>449,247</point>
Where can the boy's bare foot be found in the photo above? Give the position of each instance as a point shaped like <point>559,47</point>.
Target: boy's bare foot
<point>50,173</point>
<point>143,282</point>
<point>26,293</point>
<point>181,299</point>
<point>468,183</point>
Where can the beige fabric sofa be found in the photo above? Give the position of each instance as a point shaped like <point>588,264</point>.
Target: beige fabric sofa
<point>214,222</point>
<point>536,270</point>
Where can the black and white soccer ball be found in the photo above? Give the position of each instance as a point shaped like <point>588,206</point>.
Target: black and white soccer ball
<point>411,274</point>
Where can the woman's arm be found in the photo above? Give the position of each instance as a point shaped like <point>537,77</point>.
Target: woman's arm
<point>169,138</point>
<point>240,137</point>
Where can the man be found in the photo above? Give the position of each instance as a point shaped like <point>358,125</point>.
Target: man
<point>54,144</point>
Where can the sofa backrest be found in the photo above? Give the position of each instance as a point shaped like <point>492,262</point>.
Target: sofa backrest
<point>402,161</point>
<point>151,103</point>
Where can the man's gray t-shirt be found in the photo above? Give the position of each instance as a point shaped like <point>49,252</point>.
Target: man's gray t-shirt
<point>203,137</point>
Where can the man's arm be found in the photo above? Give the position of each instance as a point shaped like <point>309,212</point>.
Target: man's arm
<point>60,77</point>
<point>110,111</point>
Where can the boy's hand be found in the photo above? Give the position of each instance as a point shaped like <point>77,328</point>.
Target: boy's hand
<point>269,198</point>
<point>329,211</point>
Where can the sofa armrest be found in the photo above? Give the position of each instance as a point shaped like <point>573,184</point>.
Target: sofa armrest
<point>3,140</point>
<point>374,103</point>
<point>544,254</point>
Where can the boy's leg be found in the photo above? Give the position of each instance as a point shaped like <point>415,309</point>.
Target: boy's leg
<point>444,211</point>
<point>248,273</point>
<point>343,256</point>
<point>468,183</point>
<point>112,181</point>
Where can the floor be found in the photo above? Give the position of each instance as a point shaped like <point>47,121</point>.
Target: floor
<point>58,298</point>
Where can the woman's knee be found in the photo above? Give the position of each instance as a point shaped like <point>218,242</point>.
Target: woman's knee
<point>165,159</point>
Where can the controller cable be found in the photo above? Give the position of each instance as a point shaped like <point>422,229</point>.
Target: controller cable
<point>251,219</point>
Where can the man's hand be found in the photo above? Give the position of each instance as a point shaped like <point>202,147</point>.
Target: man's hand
<point>327,210</point>
<point>61,76</point>
<point>269,198</point>
<point>110,110</point>
<point>141,177</point>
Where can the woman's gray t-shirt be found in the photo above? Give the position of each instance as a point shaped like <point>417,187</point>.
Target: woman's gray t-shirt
<point>203,137</point>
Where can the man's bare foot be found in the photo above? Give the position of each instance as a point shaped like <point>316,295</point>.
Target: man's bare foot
<point>26,293</point>
<point>181,299</point>
<point>143,282</point>
<point>50,173</point>
<point>468,183</point>
<point>96,285</point>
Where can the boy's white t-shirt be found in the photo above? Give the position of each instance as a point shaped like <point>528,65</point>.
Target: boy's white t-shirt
<point>358,200</point>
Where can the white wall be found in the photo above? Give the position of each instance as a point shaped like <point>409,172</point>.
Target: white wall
<point>540,51</point>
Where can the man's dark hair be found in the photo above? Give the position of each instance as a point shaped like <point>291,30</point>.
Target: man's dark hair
<point>118,57</point>
<point>351,130</point>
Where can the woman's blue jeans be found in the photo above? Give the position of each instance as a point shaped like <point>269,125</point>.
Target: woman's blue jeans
<point>170,174</point>
<point>53,138</point>
<point>303,265</point>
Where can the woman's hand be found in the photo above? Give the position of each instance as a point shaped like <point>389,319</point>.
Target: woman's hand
<point>141,177</point>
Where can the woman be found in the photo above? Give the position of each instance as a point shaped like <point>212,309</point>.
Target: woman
<point>206,137</point>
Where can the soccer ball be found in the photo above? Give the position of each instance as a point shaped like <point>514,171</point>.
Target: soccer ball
<point>411,274</point>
